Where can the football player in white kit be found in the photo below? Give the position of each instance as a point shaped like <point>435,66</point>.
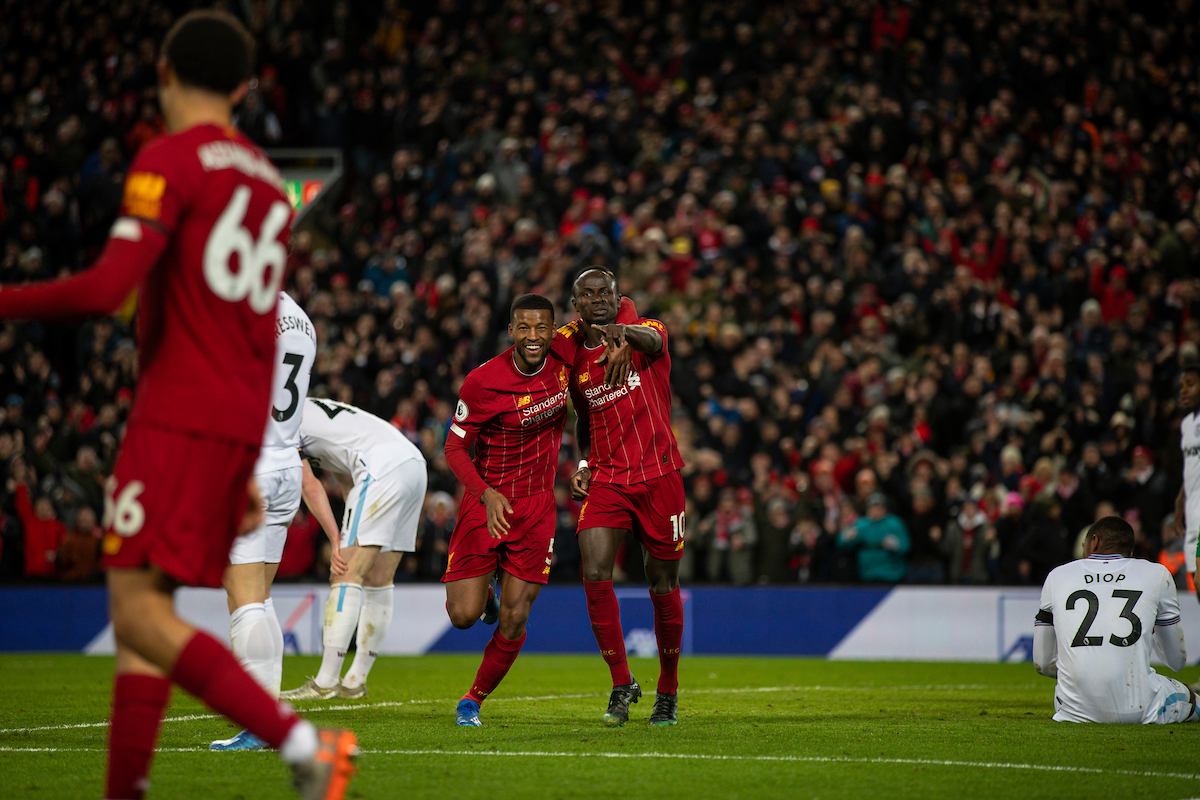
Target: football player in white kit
<point>1109,611</point>
<point>383,510</point>
<point>254,631</point>
<point>1187,503</point>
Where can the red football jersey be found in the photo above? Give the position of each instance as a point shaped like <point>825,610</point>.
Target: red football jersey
<point>206,311</point>
<point>515,422</point>
<point>632,440</point>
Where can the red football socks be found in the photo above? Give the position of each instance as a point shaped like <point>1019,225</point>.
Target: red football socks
<point>138,705</point>
<point>210,672</point>
<point>605,614</point>
<point>668,629</point>
<point>498,657</point>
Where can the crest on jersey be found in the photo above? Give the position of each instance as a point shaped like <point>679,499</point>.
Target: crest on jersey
<point>143,194</point>
<point>562,379</point>
<point>461,412</point>
<point>524,400</point>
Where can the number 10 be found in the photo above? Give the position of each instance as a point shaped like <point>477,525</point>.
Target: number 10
<point>677,527</point>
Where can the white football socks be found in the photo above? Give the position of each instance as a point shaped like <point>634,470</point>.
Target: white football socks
<point>277,641</point>
<point>300,744</point>
<point>373,622</point>
<point>252,645</point>
<point>341,618</point>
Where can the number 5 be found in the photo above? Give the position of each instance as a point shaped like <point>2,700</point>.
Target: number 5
<point>230,238</point>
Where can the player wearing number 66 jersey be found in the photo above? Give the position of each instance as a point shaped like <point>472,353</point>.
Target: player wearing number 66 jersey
<point>1101,618</point>
<point>202,234</point>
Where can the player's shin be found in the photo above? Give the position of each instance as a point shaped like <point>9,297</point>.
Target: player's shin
<point>605,614</point>
<point>138,705</point>
<point>373,622</point>
<point>276,648</point>
<point>341,618</point>
<point>211,673</point>
<point>253,645</point>
<point>668,630</point>
<point>498,657</point>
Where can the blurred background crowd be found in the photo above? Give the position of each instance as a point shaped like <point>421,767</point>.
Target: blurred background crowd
<point>928,267</point>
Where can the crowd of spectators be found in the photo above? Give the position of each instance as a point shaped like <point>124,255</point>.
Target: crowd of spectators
<point>928,268</point>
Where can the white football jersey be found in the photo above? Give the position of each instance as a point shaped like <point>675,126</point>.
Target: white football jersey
<point>1104,609</point>
<point>295,352</point>
<point>345,439</point>
<point>1189,443</point>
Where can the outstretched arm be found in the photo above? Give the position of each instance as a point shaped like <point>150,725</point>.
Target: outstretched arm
<point>133,248</point>
<point>318,504</point>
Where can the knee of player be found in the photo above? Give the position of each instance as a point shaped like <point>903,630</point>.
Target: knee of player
<point>597,572</point>
<point>461,617</point>
<point>663,585</point>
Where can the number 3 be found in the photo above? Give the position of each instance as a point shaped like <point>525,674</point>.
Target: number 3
<point>230,238</point>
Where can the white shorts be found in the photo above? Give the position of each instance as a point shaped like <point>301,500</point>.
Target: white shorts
<point>281,490</point>
<point>1172,703</point>
<point>385,510</point>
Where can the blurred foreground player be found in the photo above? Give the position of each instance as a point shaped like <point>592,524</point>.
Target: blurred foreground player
<point>202,234</point>
<point>512,409</point>
<point>631,481</point>
<point>1109,612</point>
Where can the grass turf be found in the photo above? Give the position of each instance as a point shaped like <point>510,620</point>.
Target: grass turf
<point>749,728</point>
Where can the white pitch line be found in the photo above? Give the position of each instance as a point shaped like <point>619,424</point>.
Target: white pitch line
<point>533,698</point>
<point>920,762</point>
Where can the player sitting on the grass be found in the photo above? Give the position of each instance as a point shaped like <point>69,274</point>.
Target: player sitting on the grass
<point>254,631</point>
<point>630,478</point>
<point>203,233</point>
<point>383,510</point>
<point>1104,609</point>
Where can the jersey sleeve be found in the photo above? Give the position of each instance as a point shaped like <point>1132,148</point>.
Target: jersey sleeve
<point>156,188</point>
<point>470,415</point>
<point>1045,614</point>
<point>658,328</point>
<point>1168,601</point>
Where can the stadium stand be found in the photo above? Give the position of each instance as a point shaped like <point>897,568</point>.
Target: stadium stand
<point>947,252</point>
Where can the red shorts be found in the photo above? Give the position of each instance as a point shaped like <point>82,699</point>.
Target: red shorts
<point>651,511</point>
<point>524,553</point>
<point>176,503</point>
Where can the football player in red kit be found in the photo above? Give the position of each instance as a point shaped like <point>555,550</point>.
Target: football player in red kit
<point>512,409</point>
<point>631,482</point>
<point>202,235</point>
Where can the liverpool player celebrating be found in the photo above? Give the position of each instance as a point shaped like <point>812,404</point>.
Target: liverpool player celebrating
<point>202,234</point>
<point>512,409</point>
<point>631,480</point>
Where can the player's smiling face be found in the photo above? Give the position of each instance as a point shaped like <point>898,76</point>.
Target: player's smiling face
<point>1189,390</point>
<point>532,329</point>
<point>596,298</point>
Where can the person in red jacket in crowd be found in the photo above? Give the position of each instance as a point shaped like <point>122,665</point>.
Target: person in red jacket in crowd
<point>1114,295</point>
<point>44,532</point>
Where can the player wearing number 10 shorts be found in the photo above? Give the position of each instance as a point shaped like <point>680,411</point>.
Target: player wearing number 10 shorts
<point>202,234</point>
<point>631,483</point>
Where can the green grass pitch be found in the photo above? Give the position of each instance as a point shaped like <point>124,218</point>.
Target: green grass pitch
<point>749,728</point>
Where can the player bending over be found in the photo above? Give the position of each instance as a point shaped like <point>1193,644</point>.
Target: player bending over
<point>254,630</point>
<point>631,482</point>
<point>512,409</point>
<point>383,510</point>
<point>202,234</point>
<point>1105,609</point>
